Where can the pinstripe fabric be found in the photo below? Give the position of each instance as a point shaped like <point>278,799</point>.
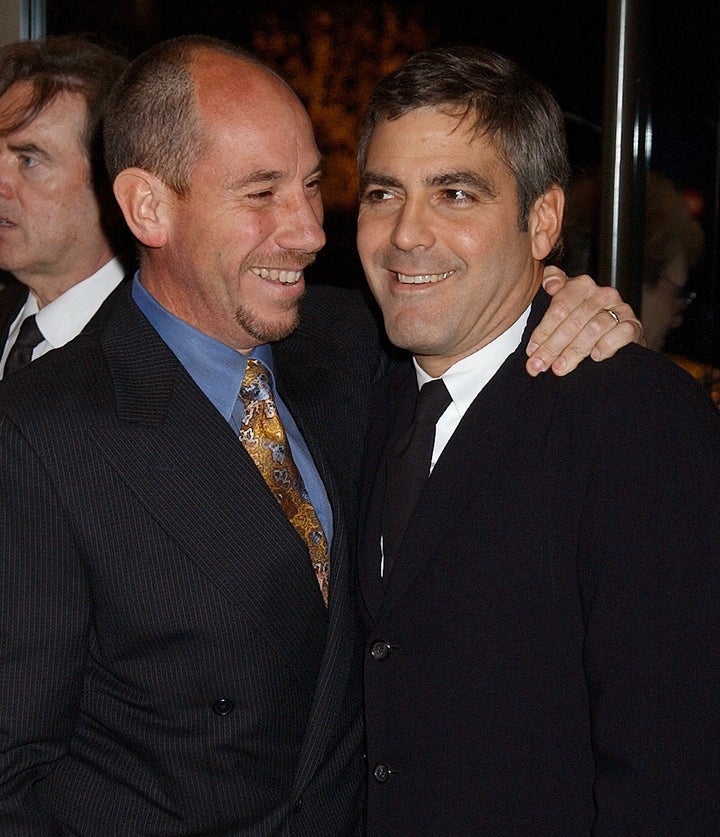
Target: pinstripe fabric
<point>154,679</point>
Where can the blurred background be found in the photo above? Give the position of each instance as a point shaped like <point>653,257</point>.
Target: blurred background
<point>639,82</point>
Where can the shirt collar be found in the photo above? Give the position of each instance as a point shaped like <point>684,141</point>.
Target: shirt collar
<point>466,378</point>
<point>216,368</point>
<point>65,317</point>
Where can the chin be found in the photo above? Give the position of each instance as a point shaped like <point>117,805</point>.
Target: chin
<point>409,335</point>
<point>269,330</point>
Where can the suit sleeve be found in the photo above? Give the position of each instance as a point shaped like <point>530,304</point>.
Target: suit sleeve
<point>650,569</point>
<point>44,617</point>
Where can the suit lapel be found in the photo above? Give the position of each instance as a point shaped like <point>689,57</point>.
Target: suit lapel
<point>184,464</point>
<point>102,315</point>
<point>310,391</point>
<point>391,414</point>
<point>499,437</point>
<point>13,297</point>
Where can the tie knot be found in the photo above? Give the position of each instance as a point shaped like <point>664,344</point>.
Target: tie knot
<point>30,334</point>
<point>432,401</point>
<point>21,353</point>
<point>256,384</point>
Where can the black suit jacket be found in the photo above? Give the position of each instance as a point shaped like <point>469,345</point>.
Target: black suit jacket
<point>14,295</point>
<point>544,659</point>
<point>12,299</point>
<point>168,664</point>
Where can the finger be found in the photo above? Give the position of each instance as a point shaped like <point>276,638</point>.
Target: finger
<point>599,338</point>
<point>553,279</point>
<point>589,327</point>
<point>580,298</point>
<point>628,330</point>
<point>621,334</point>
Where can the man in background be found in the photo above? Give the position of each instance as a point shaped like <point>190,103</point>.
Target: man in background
<point>541,611</point>
<point>59,227</point>
<point>672,245</point>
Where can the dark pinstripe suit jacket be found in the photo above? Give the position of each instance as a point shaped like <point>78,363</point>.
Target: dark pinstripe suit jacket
<point>168,666</point>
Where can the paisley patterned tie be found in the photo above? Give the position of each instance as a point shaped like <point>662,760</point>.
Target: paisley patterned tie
<point>263,436</point>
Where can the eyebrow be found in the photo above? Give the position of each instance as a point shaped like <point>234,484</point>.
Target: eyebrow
<point>260,176</point>
<point>28,148</point>
<point>464,178</point>
<point>378,179</point>
<point>255,177</point>
<point>449,178</point>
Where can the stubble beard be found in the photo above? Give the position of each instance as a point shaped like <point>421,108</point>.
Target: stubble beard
<point>266,330</point>
<point>269,331</point>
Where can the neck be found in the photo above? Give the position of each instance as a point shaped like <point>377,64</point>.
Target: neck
<point>47,287</point>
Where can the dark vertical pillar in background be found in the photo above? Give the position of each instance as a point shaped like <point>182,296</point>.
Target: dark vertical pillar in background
<point>624,151</point>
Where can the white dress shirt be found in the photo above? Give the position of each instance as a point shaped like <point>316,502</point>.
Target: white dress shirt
<point>65,317</point>
<point>466,378</point>
<point>464,381</point>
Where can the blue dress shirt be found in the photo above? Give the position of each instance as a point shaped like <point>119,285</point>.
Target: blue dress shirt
<point>218,370</point>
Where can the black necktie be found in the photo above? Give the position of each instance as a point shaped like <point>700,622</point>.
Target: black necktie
<point>408,467</point>
<point>21,353</point>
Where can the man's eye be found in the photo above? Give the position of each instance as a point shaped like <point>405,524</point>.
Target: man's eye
<point>377,195</point>
<point>27,162</point>
<point>313,186</point>
<point>457,195</point>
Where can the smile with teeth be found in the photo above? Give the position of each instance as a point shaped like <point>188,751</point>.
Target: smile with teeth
<point>285,277</point>
<point>423,278</point>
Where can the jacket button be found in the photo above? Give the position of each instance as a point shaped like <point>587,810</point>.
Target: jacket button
<point>297,805</point>
<point>379,651</point>
<point>223,706</point>
<point>381,773</point>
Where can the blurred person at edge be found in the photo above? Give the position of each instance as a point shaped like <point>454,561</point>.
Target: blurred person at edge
<point>673,244</point>
<point>62,239</point>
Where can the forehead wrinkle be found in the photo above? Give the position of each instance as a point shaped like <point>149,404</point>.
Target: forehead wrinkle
<point>43,125</point>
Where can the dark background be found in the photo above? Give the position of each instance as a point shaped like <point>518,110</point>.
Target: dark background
<point>560,42</point>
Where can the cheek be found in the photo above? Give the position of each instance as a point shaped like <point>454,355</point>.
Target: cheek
<point>478,243</point>
<point>372,233</point>
<point>361,242</point>
<point>252,234</point>
<point>468,241</point>
<point>377,288</point>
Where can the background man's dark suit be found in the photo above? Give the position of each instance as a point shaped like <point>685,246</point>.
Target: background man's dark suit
<point>12,299</point>
<point>183,675</point>
<point>14,295</point>
<point>552,617</point>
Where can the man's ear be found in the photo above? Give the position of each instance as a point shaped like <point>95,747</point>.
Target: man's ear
<point>145,202</point>
<point>545,222</point>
